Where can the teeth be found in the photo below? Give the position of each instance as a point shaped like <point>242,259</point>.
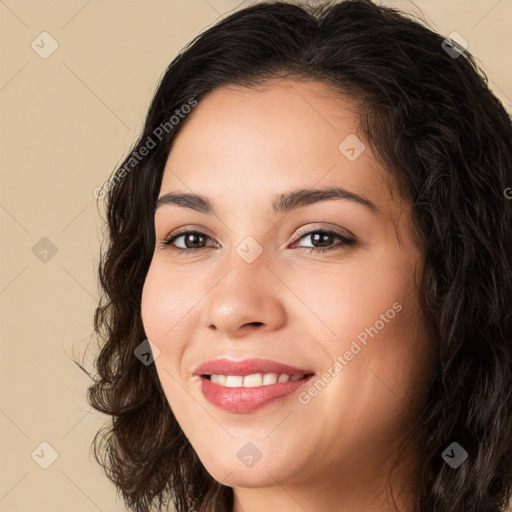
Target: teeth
<point>253,380</point>
<point>270,378</point>
<point>233,381</point>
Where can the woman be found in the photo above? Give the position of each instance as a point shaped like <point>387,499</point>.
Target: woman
<point>308,282</point>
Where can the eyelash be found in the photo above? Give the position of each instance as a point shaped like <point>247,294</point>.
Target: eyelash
<point>167,243</point>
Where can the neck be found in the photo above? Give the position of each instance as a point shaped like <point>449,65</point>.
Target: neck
<point>350,491</point>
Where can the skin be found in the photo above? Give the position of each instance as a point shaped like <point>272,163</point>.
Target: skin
<point>240,148</point>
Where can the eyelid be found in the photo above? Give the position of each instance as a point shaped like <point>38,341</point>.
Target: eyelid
<point>166,241</point>
<point>347,239</point>
<point>187,229</point>
<point>345,233</point>
<point>298,234</point>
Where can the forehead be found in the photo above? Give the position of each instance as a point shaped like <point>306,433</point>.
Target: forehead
<point>268,139</point>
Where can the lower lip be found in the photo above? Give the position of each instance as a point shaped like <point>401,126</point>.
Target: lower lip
<point>243,400</point>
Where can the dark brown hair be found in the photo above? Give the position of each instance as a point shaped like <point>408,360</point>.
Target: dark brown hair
<point>431,118</point>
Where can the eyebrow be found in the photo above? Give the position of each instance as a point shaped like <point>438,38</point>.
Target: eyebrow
<point>281,203</point>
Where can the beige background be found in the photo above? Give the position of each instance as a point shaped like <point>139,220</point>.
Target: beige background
<point>66,121</point>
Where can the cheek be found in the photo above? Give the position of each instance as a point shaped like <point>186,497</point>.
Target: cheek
<point>369,312</point>
<point>340,301</point>
<point>164,302</point>
<point>152,309</point>
<point>163,308</point>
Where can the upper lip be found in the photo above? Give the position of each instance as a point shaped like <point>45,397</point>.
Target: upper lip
<point>247,367</point>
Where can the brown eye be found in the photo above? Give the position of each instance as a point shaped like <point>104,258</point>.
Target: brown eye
<point>188,241</point>
<point>322,239</point>
<point>192,240</point>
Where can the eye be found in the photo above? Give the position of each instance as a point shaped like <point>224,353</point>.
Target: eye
<point>192,241</point>
<point>324,238</point>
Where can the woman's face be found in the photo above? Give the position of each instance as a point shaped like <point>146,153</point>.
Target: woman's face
<point>254,284</point>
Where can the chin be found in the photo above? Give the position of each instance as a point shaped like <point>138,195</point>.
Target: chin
<point>261,474</point>
<point>246,477</point>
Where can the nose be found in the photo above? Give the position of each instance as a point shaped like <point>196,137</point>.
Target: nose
<point>248,297</point>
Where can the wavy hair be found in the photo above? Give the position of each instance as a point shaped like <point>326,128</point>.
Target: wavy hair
<point>432,120</point>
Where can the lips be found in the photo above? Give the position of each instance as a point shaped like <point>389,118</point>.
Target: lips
<point>247,367</point>
<point>240,399</point>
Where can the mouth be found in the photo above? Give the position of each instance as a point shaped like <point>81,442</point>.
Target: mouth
<point>253,380</point>
<point>248,385</point>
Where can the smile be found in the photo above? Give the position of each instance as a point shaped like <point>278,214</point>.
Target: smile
<point>253,380</point>
<point>248,385</point>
